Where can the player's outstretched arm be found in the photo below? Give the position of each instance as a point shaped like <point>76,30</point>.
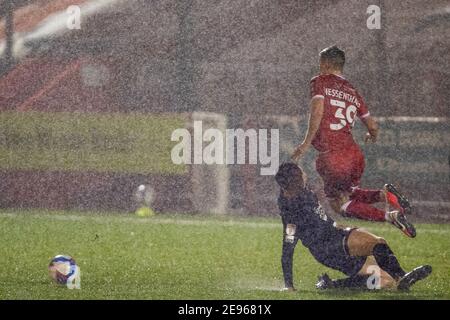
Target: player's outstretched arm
<point>286,264</point>
<point>372,127</point>
<point>315,117</point>
<point>287,257</point>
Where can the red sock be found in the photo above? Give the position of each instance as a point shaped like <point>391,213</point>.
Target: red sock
<point>361,210</point>
<point>365,195</point>
<point>393,201</point>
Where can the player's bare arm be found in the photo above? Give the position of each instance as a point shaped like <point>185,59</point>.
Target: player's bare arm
<point>315,117</point>
<point>372,128</point>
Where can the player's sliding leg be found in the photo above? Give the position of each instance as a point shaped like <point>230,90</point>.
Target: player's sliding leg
<point>354,282</point>
<point>412,277</point>
<point>371,276</point>
<point>377,278</point>
<point>381,269</point>
<point>362,243</point>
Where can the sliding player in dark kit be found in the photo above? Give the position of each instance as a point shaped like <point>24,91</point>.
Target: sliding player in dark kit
<point>335,105</point>
<point>353,251</point>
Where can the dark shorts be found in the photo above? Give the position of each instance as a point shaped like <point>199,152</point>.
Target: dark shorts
<point>333,253</point>
<point>340,170</point>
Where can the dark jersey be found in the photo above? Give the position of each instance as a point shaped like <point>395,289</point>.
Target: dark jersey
<point>313,226</point>
<point>318,232</point>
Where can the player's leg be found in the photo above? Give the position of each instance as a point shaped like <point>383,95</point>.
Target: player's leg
<point>357,246</point>
<point>393,197</point>
<point>353,282</point>
<point>340,172</point>
<point>400,221</point>
<point>380,279</point>
<point>389,195</point>
<point>361,210</point>
<point>330,176</point>
<point>363,243</point>
<point>413,276</point>
<point>340,183</point>
<point>359,203</point>
<point>369,263</point>
<point>377,278</point>
<point>368,196</point>
<point>357,208</point>
<point>371,276</point>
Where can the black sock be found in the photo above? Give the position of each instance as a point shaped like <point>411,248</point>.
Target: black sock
<point>387,260</point>
<point>354,282</point>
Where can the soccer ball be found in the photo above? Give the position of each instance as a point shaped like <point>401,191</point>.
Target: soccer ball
<point>145,212</point>
<point>61,268</point>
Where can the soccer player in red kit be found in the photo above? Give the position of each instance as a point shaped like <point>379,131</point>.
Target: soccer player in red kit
<point>335,104</point>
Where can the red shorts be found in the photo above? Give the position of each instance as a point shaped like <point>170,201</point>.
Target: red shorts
<point>340,170</point>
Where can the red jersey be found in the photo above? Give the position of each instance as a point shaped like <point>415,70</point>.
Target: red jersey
<point>342,104</point>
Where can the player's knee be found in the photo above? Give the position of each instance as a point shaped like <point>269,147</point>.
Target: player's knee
<point>338,210</point>
<point>377,244</point>
<point>337,205</point>
<point>380,247</point>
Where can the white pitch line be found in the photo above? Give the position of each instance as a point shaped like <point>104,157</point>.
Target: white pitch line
<point>175,221</point>
<point>157,220</point>
<point>434,204</point>
<point>414,119</point>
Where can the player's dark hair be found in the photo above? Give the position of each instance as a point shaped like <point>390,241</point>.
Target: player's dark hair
<point>285,173</point>
<point>334,55</point>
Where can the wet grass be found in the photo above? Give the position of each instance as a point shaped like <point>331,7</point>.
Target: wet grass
<point>183,257</point>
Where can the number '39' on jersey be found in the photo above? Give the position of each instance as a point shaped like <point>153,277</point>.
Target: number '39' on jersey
<point>342,103</point>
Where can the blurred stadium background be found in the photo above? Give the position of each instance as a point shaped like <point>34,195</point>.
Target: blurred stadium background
<point>86,115</point>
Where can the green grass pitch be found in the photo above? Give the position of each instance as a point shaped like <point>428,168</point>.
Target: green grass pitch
<point>187,257</point>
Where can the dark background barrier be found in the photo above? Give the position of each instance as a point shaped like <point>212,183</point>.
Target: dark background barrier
<point>250,61</point>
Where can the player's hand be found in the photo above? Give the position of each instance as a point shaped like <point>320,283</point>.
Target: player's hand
<point>299,152</point>
<point>370,138</point>
<point>288,289</point>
